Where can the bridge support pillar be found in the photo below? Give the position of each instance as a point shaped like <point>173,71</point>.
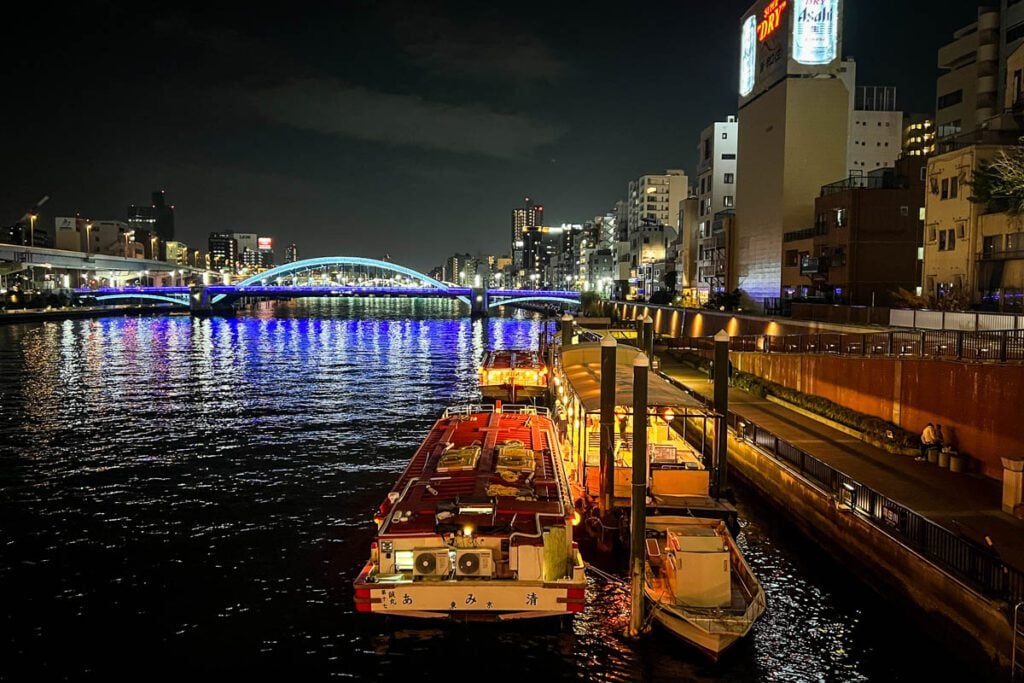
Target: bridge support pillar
<point>479,303</point>
<point>199,301</point>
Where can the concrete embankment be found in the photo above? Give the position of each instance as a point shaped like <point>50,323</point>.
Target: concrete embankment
<point>31,316</point>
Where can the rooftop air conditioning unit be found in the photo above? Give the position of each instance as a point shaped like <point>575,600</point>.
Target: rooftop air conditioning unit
<point>476,562</point>
<point>430,562</point>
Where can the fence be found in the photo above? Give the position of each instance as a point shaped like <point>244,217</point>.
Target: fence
<point>968,561</point>
<point>1003,346</point>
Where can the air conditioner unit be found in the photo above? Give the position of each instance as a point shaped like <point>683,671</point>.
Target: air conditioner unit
<point>430,562</point>
<point>475,562</point>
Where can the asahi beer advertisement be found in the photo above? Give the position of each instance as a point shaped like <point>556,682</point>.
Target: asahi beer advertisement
<point>787,37</point>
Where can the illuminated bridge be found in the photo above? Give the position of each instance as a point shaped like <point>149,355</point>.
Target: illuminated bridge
<point>327,277</point>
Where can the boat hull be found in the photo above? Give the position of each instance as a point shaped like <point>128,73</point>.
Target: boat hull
<point>711,644</point>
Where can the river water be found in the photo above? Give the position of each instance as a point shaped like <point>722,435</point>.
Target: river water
<point>191,498</point>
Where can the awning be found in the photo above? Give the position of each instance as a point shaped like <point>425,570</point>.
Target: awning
<point>581,364</point>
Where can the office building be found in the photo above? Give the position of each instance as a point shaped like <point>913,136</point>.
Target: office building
<point>291,253</point>
<point>716,192</point>
<point>157,218</point>
<point>530,215</point>
<point>918,135</point>
<point>222,251</point>
<point>794,121</point>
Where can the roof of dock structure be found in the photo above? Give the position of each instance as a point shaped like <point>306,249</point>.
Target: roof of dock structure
<point>581,364</point>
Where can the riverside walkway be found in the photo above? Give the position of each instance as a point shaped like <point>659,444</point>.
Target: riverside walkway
<point>966,505</point>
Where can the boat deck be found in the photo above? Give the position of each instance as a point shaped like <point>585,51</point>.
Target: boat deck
<point>516,494</point>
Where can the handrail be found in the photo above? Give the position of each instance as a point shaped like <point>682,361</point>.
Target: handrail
<point>998,345</point>
<point>964,559</point>
<point>520,408</point>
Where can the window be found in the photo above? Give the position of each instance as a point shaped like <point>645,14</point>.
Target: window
<point>730,178</point>
<point>990,245</point>
<point>932,234</point>
<point>727,201</point>
<point>961,230</point>
<point>942,240</point>
<point>945,188</point>
<point>1015,32</point>
<point>951,241</point>
<point>727,157</point>
<point>725,136</point>
<point>953,98</point>
<point>792,258</point>
<point>924,172</point>
<point>904,210</point>
<point>840,218</point>
<point>954,187</point>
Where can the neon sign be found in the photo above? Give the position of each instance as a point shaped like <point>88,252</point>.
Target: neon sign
<point>771,19</point>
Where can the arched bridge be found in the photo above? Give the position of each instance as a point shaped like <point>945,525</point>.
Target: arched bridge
<point>329,277</point>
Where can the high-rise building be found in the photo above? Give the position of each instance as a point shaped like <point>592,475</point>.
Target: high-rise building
<point>716,191</point>
<point>529,216</point>
<point>157,218</point>
<point>918,135</point>
<point>222,251</point>
<point>291,253</point>
<point>969,93</point>
<point>794,120</point>
<point>265,250</point>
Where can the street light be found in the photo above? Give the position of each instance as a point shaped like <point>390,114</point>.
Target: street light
<point>31,229</point>
<point>127,236</point>
<point>88,229</point>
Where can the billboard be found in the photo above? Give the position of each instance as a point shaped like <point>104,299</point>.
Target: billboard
<point>265,243</point>
<point>67,222</point>
<point>780,38</point>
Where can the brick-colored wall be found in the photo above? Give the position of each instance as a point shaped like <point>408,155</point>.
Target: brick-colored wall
<point>978,405</point>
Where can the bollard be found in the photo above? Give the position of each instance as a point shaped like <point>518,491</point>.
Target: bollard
<point>608,351</point>
<point>721,394</point>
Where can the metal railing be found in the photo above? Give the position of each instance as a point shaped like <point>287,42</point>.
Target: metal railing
<point>972,563</point>
<point>1002,346</point>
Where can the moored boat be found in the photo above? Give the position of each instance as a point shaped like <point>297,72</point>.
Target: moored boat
<point>513,375</point>
<point>479,525</point>
<point>698,584</point>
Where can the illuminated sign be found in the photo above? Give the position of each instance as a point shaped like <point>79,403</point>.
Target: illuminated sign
<point>815,31</point>
<point>264,243</point>
<point>771,19</point>
<point>748,55</point>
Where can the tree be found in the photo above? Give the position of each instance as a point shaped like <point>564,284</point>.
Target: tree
<point>670,279</point>
<point>999,183</point>
<point>591,305</point>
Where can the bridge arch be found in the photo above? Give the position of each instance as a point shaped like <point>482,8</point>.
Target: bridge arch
<point>520,299</point>
<point>163,298</point>
<point>306,264</point>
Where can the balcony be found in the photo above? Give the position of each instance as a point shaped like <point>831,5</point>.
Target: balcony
<point>1002,255</point>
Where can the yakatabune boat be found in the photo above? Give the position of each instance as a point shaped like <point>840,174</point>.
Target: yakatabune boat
<point>698,583</point>
<point>479,526</point>
<point>513,375</point>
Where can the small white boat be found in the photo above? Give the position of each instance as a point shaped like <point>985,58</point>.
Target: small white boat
<point>698,584</point>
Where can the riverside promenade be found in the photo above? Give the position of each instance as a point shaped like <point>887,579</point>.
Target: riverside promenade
<point>968,505</point>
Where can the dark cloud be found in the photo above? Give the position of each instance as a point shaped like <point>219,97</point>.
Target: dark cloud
<point>331,108</point>
<point>481,49</point>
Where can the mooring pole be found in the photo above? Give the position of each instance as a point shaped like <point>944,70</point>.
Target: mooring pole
<point>566,330</point>
<point>638,502</point>
<point>608,349</point>
<point>721,394</point>
<point>648,346</point>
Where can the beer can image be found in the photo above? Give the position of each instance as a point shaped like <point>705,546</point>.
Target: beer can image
<point>815,31</point>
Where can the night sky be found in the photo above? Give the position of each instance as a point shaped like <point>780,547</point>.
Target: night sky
<point>407,128</point>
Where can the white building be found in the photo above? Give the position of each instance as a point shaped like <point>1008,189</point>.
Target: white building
<point>653,209</point>
<point>716,191</point>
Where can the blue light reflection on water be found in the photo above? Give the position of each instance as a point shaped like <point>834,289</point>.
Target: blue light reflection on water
<point>181,496</point>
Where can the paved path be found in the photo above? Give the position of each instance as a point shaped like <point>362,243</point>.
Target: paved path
<point>967,504</point>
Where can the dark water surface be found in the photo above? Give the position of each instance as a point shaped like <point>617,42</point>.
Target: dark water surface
<point>192,498</point>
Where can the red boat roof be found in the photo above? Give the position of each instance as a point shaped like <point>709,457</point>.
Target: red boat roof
<point>516,474</point>
<point>518,359</point>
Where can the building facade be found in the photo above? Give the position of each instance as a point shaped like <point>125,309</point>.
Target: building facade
<point>793,135</point>
<point>865,243</point>
<point>157,218</point>
<point>530,215</point>
<point>716,192</point>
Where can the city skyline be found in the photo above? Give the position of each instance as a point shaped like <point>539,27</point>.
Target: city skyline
<point>359,129</point>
